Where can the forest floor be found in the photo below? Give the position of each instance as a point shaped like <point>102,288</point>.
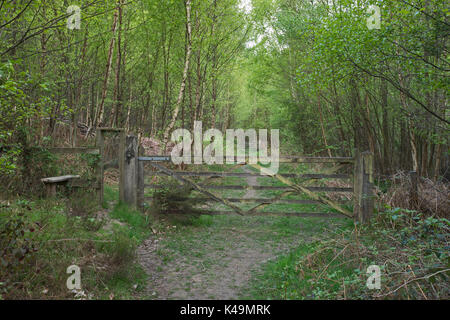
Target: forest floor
<point>126,254</point>
<point>216,257</point>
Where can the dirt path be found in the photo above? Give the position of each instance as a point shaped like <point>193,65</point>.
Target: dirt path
<point>208,273</point>
<point>212,273</point>
<point>216,257</point>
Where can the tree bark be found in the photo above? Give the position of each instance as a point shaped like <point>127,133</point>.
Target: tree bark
<point>183,81</point>
<point>100,111</point>
<point>117,85</point>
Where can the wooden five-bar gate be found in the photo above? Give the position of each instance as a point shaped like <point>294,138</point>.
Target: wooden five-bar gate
<point>134,167</point>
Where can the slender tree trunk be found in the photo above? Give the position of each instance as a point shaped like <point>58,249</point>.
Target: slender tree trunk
<point>127,122</point>
<point>324,137</point>
<point>385,128</point>
<point>437,164</point>
<point>412,138</point>
<point>214,70</point>
<point>183,81</point>
<point>117,85</point>
<point>98,121</point>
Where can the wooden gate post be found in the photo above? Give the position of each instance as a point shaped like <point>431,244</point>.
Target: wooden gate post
<point>129,159</point>
<point>363,198</point>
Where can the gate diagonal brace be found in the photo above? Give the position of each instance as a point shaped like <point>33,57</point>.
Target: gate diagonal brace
<point>286,193</point>
<point>301,189</point>
<point>197,187</point>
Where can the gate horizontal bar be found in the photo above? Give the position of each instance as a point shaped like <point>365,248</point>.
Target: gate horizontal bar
<point>75,150</point>
<point>245,174</point>
<point>282,159</point>
<point>238,187</point>
<point>246,200</point>
<point>154,158</point>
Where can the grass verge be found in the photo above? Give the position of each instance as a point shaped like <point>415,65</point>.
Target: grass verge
<point>40,239</point>
<point>412,252</point>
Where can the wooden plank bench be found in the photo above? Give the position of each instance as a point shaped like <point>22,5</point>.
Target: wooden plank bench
<point>52,182</point>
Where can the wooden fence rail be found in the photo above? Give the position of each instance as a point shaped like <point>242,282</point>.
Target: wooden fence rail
<point>247,200</point>
<point>246,159</point>
<point>245,174</point>
<point>279,188</point>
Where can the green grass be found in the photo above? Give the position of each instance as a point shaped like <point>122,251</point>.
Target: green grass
<point>411,250</point>
<point>280,279</point>
<point>205,233</point>
<point>110,195</point>
<point>106,258</point>
<point>137,223</point>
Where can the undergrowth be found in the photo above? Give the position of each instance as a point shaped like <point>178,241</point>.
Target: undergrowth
<point>40,239</point>
<point>411,250</point>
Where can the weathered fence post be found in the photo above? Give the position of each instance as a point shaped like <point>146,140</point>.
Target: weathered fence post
<point>413,192</point>
<point>140,179</point>
<point>363,200</point>
<point>129,154</point>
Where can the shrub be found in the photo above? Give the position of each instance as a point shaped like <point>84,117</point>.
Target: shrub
<point>16,245</point>
<point>172,197</point>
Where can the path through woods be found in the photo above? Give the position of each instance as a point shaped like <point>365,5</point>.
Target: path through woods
<point>217,258</point>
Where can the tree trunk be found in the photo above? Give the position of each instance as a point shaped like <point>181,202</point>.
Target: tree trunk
<point>322,127</point>
<point>98,121</point>
<point>183,81</point>
<point>117,85</point>
<point>385,127</point>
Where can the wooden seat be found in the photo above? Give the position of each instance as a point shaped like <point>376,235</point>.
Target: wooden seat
<point>52,182</point>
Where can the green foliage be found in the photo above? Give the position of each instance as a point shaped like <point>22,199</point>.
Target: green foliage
<point>91,159</point>
<point>411,250</point>
<point>20,160</point>
<point>110,195</point>
<point>138,223</point>
<point>40,239</point>
<point>16,245</point>
<point>122,249</point>
<point>317,69</point>
<point>202,221</point>
<point>172,197</point>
